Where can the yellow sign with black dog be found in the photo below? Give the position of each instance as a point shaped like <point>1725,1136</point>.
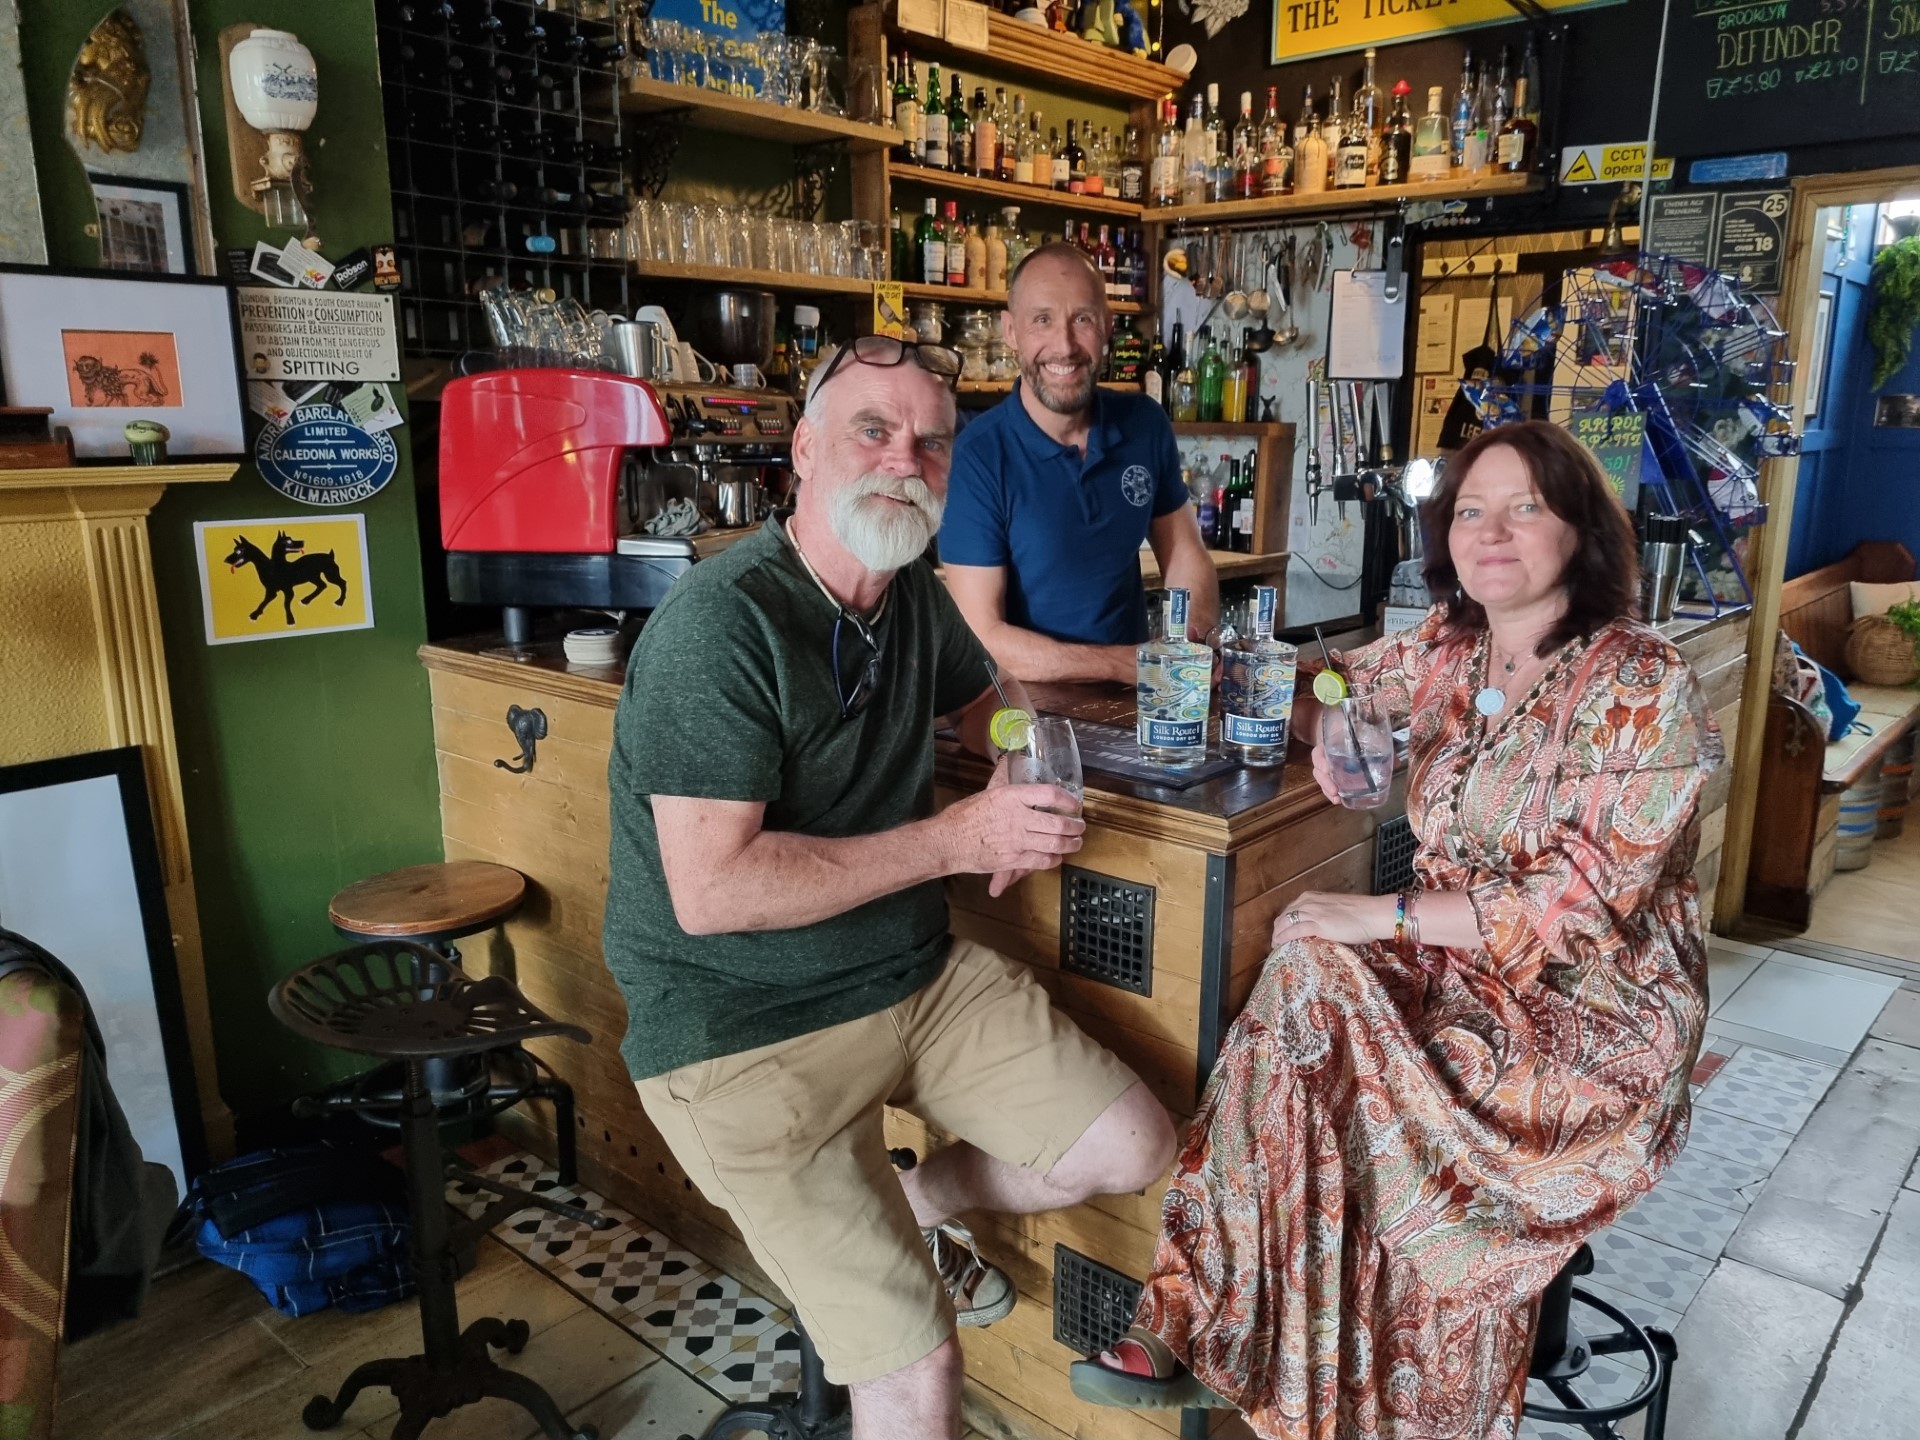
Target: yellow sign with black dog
<point>1303,29</point>
<point>277,578</point>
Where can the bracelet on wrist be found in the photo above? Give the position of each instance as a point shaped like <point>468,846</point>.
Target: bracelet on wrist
<point>1410,901</point>
<point>1400,919</point>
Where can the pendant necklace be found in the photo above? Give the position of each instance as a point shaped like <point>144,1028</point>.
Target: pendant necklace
<point>1491,699</point>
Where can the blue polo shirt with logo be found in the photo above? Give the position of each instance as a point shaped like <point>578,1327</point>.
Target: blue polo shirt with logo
<point>1066,527</point>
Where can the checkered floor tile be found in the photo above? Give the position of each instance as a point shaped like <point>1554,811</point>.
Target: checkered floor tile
<point>1757,1100</point>
<point>622,1272</point>
<point>767,1365</point>
<point>1806,1078</point>
<point>1664,1274</point>
<point>702,1323</point>
<point>1707,1176</point>
<point>1698,1226</point>
<point>1639,1310</point>
<point>1731,1138</point>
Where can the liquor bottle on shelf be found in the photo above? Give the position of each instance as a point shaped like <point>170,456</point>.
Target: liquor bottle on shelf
<point>1153,378</point>
<point>1142,274</point>
<point>906,113</point>
<point>1193,156</point>
<point>1370,106</point>
<point>1530,73</point>
<point>1350,160</point>
<point>1501,104</point>
<point>1256,689</point>
<point>931,237</point>
<point>986,136</point>
<point>1024,144</point>
<point>1123,263</point>
<point>1396,146</point>
<point>1462,113</point>
<point>1240,532</point>
<point>1479,147</point>
<point>1059,167</point>
<point>1175,681</point>
<point>1110,151</point>
<point>1217,146</point>
<point>976,254</point>
<point>1106,263</point>
<point>1246,152</point>
<point>1211,374</point>
<point>956,245</point>
<point>996,276</point>
<point>1011,134</point>
<point>1518,139</point>
<point>959,131</point>
<point>1096,163</point>
<point>1164,174</point>
<point>905,266</point>
<point>1172,361</point>
<point>1233,391</point>
<point>1276,155</point>
<point>1310,162</point>
<point>1333,127</point>
<point>933,150</point>
<point>1076,158</point>
<point>1219,535</point>
<point>1431,158</point>
<point>1306,120</point>
<point>1133,169</point>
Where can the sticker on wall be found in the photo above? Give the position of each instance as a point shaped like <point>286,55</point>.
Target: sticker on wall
<point>276,578</point>
<point>326,454</point>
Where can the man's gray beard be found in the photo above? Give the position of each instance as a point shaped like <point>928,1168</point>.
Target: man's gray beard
<point>1061,402</point>
<point>883,537</point>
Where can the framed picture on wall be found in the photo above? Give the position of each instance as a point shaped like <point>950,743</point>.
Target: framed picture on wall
<point>80,877</point>
<point>102,347</point>
<point>145,225</point>
<point>1817,356</point>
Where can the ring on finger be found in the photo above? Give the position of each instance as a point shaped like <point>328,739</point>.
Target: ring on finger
<point>1295,916</point>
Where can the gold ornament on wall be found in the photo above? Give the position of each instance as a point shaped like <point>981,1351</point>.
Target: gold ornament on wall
<point>107,92</point>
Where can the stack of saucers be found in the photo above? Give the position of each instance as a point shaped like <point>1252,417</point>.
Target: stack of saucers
<point>593,647</point>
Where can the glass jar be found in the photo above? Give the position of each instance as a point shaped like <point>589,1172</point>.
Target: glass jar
<point>929,321</point>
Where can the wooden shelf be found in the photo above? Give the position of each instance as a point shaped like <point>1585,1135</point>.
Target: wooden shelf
<point>1034,50</point>
<point>1231,564</point>
<point>1039,195</point>
<point>761,279</point>
<point>717,110</point>
<point>961,295</point>
<point>1243,429</point>
<point>1333,202</point>
<point>69,477</point>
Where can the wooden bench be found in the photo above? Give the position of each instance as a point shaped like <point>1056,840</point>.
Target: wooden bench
<point>1802,776</point>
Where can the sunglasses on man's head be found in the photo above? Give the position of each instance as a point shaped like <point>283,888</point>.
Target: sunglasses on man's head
<point>884,351</point>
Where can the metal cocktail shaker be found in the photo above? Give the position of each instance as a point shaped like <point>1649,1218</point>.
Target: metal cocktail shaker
<point>1663,554</point>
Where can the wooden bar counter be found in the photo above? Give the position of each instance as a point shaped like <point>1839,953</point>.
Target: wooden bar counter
<point>1166,920</point>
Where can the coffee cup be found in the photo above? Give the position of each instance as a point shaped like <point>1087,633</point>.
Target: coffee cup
<point>747,376</point>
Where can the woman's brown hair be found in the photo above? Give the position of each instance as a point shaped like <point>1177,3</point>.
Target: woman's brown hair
<point>1601,578</point>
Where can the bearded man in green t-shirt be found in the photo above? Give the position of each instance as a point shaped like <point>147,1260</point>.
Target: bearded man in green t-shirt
<point>777,920</point>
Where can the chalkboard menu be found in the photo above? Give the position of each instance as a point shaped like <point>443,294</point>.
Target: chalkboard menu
<point>1770,76</point>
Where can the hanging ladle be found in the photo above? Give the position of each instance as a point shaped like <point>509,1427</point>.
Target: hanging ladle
<point>1288,332</point>
<point>1260,338</point>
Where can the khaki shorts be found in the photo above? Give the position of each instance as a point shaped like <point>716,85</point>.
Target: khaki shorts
<point>787,1138</point>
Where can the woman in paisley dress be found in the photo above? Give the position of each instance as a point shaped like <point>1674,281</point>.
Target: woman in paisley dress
<point>1414,1124</point>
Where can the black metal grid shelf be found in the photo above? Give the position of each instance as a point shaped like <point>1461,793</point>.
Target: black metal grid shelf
<point>503,125</point>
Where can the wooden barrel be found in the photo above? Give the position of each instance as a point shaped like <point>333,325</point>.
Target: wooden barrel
<point>1859,820</point>
<point>1896,774</point>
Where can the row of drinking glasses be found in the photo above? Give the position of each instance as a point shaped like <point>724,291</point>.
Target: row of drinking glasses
<point>777,68</point>
<point>672,232</point>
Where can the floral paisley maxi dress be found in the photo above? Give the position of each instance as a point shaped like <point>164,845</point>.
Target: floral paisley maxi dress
<point>1396,1153</point>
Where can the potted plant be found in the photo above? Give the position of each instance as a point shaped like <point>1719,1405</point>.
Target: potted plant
<point>1896,307</point>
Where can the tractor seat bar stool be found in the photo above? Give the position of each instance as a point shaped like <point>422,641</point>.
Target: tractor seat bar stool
<point>407,1002</point>
<point>435,905</point>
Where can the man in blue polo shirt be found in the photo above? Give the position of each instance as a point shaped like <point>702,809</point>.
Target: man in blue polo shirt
<point>1054,489</point>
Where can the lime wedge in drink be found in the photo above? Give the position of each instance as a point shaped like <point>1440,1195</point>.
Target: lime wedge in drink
<point>1010,729</point>
<point>1329,688</point>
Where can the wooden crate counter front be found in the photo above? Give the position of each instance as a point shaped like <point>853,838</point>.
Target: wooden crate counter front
<point>1221,860</point>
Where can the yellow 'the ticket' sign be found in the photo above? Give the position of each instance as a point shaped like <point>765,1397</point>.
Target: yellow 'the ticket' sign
<point>1305,28</point>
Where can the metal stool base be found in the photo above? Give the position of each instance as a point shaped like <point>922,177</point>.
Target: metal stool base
<point>1562,1354</point>
<point>821,1411</point>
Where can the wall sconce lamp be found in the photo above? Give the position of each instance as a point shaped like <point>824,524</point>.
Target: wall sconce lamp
<point>273,91</point>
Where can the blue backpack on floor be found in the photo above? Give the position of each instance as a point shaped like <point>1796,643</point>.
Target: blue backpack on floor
<point>311,1226</point>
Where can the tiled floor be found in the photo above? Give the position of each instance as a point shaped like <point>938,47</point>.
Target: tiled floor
<point>608,1307</point>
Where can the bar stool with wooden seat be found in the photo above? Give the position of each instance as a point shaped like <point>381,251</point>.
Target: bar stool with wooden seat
<point>407,1002</point>
<point>435,905</point>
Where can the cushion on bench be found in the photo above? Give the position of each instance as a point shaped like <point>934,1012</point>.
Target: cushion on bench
<point>1885,710</point>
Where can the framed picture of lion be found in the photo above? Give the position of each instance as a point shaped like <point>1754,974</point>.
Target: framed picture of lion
<point>102,348</point>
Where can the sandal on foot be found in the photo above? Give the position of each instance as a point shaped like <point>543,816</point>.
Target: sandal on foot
<point>1163,1384</point>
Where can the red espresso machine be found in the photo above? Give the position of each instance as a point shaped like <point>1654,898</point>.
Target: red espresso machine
<point>547,477</point>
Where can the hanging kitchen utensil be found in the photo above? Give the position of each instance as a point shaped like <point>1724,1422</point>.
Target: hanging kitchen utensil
<point>1288,331</point>
<point>1477,367</point>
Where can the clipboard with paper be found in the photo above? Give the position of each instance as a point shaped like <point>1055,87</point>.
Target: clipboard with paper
<point>1368,336</point>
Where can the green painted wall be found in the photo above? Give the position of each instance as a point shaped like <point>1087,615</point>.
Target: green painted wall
<point>308,763</point>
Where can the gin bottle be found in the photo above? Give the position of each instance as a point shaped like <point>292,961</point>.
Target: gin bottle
<point>1175,684</point>
<point>1256,689</point>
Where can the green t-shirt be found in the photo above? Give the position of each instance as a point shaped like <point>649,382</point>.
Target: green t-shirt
<point>730,696</point>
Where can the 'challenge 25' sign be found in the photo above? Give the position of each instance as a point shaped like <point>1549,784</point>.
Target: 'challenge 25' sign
<point>322,456</point>
<point>1305,28</point>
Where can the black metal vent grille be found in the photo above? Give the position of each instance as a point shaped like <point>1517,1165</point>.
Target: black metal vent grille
<point>1106,929</point>
<point>1092,1305</point>
<point>1393,856</point>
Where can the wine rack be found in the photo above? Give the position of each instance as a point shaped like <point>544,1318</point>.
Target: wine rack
<point>504,151</point>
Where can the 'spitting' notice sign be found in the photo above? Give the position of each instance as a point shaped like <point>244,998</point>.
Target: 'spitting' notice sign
<point>325,335</point>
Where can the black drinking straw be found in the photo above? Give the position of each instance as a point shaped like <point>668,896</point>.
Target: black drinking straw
<point>1353,731</point>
